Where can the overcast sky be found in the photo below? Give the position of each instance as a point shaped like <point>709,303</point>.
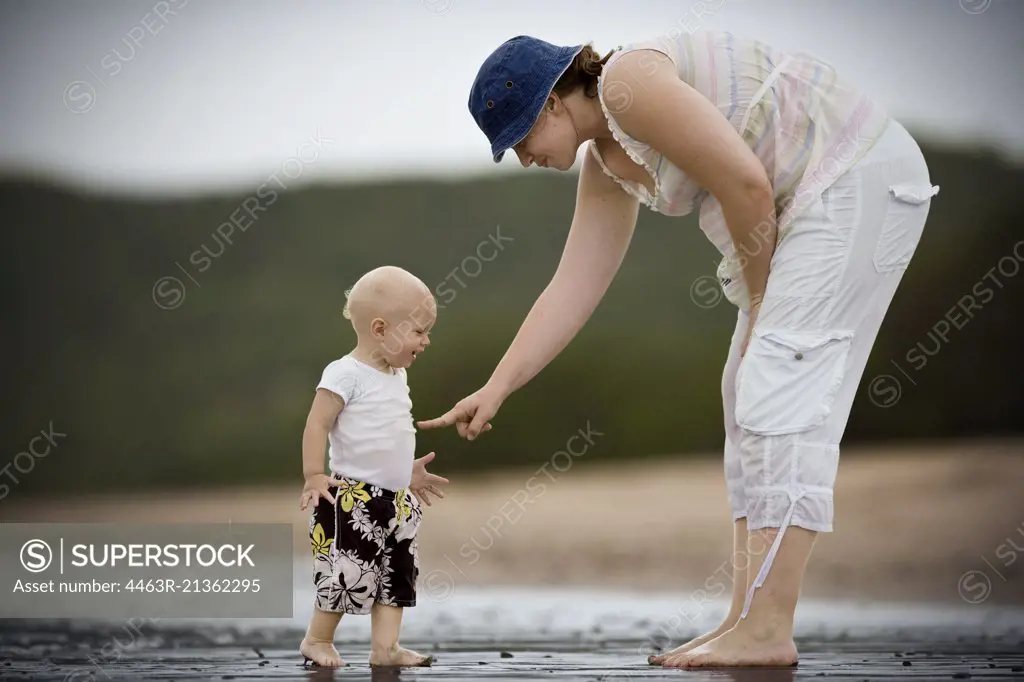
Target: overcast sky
<point>220,93</point>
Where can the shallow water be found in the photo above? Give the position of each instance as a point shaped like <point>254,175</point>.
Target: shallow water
<point>569,634</point>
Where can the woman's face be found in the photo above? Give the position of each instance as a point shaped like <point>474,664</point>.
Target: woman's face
<point>552,141</point>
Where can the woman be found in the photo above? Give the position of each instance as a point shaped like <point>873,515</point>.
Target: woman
<point>815,198</point>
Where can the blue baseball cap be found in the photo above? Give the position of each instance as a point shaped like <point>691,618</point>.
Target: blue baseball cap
<point>512,85</point>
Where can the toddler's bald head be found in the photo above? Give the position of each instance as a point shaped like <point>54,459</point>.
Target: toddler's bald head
<point>389,293</point>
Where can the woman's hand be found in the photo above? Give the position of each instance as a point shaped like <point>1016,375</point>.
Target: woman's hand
<point>424,484</point>
<point>471,415</point>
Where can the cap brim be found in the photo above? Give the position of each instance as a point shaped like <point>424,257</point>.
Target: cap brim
<point>498,151</point>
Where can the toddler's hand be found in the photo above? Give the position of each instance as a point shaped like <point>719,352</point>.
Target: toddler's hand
<point>424,484</point>
<point>317,486</point>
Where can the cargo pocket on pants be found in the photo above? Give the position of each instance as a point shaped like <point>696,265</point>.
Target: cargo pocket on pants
<point>788,380</point>
<point>905,216</point>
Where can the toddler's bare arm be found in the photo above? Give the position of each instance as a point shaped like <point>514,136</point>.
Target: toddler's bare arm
<point>322,414</point>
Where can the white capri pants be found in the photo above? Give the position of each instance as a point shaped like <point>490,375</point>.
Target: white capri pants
<point>832,278</point>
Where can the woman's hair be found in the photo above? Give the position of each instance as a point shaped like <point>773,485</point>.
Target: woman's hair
<point>582,73</point>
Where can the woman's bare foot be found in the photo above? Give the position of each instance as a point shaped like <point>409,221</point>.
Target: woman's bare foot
<point>659,659</point>
<point>396,656</point>
<point>321,653</point>
<point>740,647</point>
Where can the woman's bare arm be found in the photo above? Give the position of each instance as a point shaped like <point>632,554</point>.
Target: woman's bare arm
<point>601,231</point>
<point>599,237</point>
<point>689,131</point>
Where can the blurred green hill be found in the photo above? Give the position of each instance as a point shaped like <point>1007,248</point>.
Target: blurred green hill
<point>215,391</point>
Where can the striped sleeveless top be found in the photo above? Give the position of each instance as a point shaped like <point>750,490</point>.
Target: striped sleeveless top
<point>805,124</point>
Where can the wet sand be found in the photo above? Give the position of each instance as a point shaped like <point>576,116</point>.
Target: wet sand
<point>608,664</point>
<point>58,654</point>
<point>528,633</point>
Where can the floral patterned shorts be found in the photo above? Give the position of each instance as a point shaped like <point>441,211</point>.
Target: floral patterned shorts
<point>364,548</point>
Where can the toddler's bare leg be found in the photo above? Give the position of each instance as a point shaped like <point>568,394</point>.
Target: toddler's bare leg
<point>318,644</point>
<point>386,625</point>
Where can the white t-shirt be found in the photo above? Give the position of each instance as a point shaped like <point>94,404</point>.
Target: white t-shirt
<point>373,438</point>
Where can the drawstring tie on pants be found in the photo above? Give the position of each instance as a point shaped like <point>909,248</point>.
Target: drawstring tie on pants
<point>762,574</point>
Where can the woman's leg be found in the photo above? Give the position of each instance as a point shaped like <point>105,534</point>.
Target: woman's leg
<point>831,285</point>
<point>738,569</point>
<point>739,560</point>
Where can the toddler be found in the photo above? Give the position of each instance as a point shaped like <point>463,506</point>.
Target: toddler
<point>365,557</point>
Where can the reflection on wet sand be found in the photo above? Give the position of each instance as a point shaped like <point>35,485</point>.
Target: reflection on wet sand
<point>762,675</point>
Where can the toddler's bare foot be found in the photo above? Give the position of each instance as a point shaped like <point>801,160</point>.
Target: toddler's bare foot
<point>659,659</point>
<point>397,656</point>
<point>320,653</point>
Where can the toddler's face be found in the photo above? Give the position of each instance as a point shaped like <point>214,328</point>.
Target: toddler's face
<point>407,332</point>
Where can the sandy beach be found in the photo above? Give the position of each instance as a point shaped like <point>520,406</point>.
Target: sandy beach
<point>910,523</point>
